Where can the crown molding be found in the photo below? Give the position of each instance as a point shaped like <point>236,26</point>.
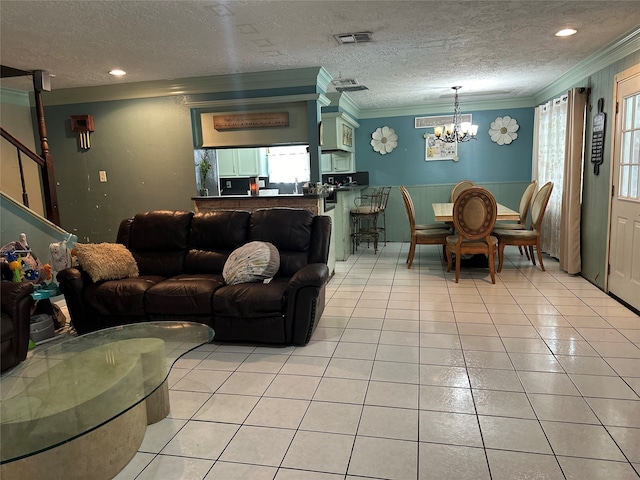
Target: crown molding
<point>439,108</point>
<point>188,86</point>
<point>604,57</point>
<point>233,103</point>
<point>14,97</point>
<point>344,103</point>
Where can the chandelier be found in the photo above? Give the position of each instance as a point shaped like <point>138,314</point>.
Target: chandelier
<point>457,131</point>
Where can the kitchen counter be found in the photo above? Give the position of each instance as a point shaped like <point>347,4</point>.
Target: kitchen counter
<point>315,203</point>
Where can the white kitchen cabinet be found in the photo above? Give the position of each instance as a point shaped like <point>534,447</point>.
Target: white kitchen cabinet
<point>338,132</point>
<point>337,162</point>
<point>242,162</point>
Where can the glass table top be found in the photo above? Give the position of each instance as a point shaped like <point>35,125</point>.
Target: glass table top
<point>72,388</point>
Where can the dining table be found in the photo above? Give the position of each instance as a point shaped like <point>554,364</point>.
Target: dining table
<point>444,212</point>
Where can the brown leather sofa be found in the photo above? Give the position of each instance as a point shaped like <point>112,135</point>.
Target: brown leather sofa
<point>181,255</point>
<point>16,303</point>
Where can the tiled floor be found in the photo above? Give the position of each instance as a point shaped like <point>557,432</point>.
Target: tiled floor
<point>411,376</point>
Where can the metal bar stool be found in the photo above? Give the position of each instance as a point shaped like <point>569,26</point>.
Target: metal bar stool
<point>364,220</point>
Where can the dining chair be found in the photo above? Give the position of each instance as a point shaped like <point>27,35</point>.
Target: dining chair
<point>526,238</point>
<point>459,188</point>
<point>426,236</point>
<point>474,215</point>
<point>406,196</point>
<point>523,211</point>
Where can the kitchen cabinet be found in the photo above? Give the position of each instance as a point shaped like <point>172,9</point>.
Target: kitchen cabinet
<point>337,162</point>
<point>338,132</point>
<point>242,162</point>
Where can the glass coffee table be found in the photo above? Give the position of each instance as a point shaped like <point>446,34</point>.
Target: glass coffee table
<point>80,409</point>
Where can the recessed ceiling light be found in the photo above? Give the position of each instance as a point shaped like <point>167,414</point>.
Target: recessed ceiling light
<point>566,32</point>
<point>116,72</point>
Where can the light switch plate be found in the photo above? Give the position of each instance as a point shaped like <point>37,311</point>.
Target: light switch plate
<point>103,176</point>
<point>228,184</point>
<point>261,183</point>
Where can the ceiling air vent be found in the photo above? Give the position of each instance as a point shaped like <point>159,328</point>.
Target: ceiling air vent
<point>347,85</point>
<point>349,38</point>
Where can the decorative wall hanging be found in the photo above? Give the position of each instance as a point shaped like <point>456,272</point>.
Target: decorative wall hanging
<point>503,130</point>
<point>250,120</point>
<point>83,126</point>
<point>437,149</point>
<point>384,140</point>
<point>597,138</point>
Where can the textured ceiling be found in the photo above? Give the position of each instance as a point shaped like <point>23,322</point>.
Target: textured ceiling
<point>419,49</point>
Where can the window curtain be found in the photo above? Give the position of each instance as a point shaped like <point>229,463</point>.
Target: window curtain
<point>550,129</point>
<point>570,260</point>
<point>558,153</point>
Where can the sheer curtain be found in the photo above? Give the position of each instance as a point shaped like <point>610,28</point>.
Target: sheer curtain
<point>558,157</point>
<point>550,128</point>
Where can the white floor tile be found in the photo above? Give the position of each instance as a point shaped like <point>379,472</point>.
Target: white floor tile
<point>384,458</point>
<point>258,446</point>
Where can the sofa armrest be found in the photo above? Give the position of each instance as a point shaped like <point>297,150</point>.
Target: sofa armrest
<point>305,302</point>
<point>313,274</point>
<point>72,282</point>
<point>16,303</point>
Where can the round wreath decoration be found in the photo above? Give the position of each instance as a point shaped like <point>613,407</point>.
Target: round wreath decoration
<point>503,130</point>
<point>384,140</point>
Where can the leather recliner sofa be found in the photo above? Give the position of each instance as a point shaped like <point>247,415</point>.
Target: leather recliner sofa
<point>16,305</point>
<point>181,256</point>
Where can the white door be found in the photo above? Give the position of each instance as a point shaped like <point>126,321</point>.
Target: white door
<point>624,246</point>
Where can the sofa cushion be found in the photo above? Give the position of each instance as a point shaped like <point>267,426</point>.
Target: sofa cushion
<point>251,299</point>
<point>120,297</point>
<point>252,262</point>
<point>186,294</point>
<point>106,261</point>
<point>213,236</point>
<point>158,241</point>
<point>289,229</point>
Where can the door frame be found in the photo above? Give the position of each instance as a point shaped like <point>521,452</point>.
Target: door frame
<point>617,125</point>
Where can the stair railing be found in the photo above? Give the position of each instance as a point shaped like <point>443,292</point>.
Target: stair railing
<point>46,169</point>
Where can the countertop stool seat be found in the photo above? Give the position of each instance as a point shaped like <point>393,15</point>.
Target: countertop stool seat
<point>364,219</point>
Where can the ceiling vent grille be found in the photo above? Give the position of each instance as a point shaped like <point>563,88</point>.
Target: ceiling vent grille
<point>350,38</point>
<point>347,85</point>
<point>353,88</point>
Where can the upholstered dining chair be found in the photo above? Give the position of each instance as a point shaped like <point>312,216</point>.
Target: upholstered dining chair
<point>523,211</point>
<point>406,197</point>
<point>426,236</point>
<point>459,188</point>
<point>474,215</point>
<point>526,238</point>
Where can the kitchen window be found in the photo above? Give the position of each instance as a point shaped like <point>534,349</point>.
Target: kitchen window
<point>288,164</point>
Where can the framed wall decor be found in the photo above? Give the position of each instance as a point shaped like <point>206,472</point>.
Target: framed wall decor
<point>438,150</point>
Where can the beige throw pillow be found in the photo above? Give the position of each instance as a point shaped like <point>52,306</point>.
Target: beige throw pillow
<point>106,261</point>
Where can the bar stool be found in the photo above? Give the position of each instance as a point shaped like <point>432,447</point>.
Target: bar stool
<point>386,191</point>
<point>364,220</point>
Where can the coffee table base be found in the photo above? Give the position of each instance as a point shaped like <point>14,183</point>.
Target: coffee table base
<point>100,454</point>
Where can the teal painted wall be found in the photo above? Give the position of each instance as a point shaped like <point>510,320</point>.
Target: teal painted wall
<point>146,148</point>
<point>480,160</point>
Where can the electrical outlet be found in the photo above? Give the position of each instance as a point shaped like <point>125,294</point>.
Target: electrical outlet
<point>228,184</point>
<point>261,183</point>
<point>103,176</point>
